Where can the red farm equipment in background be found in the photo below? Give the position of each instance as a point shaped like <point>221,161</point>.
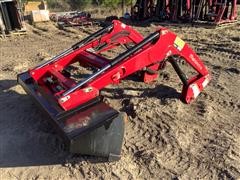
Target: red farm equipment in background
<point>209,11</point>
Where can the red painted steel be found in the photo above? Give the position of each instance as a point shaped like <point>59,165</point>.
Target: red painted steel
<point>215,12</point>
<point>150,56</point>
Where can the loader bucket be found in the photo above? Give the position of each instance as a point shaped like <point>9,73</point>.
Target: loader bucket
<point>91,129</point>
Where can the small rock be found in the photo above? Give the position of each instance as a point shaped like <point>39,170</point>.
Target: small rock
<point>131,92</point>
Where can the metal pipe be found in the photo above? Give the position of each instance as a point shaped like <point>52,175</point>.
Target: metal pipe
<point>54,58</point>
<point>92,37</point>
<point>116,60</point>
<point>87,80</point>
<point>77,45</point>
<point>179,72</point>
<point>193,11</point>
<point>134,49</point>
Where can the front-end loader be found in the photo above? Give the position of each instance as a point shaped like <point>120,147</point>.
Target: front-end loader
<point>75,107</point>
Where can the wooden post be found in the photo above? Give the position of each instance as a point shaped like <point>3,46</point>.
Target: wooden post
<point>123,5</point>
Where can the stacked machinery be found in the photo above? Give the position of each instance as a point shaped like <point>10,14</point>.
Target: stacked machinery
<point>212,11</point>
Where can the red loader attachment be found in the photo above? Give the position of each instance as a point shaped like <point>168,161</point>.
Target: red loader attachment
<point>75,107</point>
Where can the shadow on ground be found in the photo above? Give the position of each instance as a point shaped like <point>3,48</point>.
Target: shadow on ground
<point>26,137</point>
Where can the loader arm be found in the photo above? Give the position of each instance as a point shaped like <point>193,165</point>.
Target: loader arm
<point>116,32</point>
<point>163,45</point>
<point>145,54</point>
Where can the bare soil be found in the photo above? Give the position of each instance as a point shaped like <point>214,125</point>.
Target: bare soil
<point>164,138</point>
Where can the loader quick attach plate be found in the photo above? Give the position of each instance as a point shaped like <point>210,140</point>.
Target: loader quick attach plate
<point>91,129</point>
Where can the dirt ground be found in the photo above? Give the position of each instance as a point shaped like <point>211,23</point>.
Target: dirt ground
<point>164,138</point>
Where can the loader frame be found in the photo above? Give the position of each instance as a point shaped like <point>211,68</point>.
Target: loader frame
<point>147,53</point>
<point>76,107</point>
